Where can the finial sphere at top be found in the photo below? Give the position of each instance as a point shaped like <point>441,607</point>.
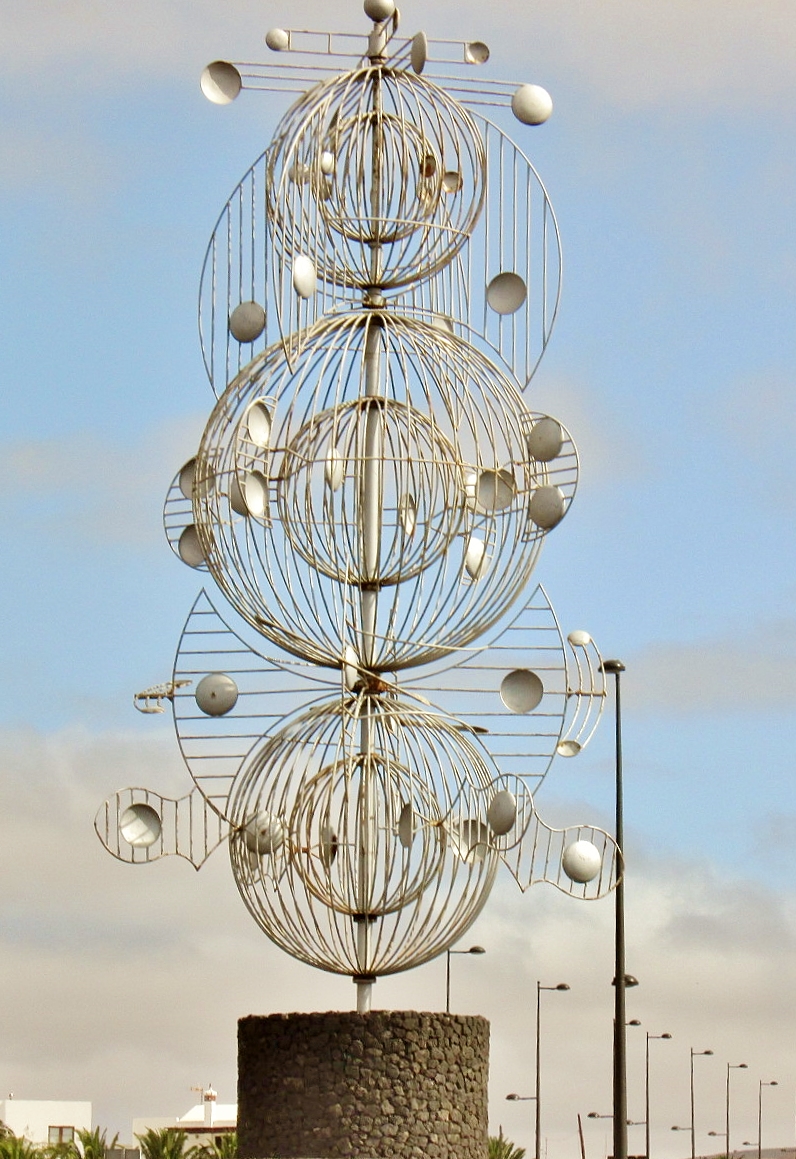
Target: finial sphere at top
<point>379,9</point>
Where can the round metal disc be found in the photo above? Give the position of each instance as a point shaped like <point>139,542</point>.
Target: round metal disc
<point>216,694</point>
<point>502,812</point>
<point>506,293</point>
<point>419,54</point>
<point>521,690</point>
<point>545,440</point>
<point>221,82</point>
<point>581,861</point>
<point>189,547</point>
<point>140,826</point>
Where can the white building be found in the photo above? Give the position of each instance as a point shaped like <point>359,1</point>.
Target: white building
<point>207,1122</point>
<point>42,1121</point>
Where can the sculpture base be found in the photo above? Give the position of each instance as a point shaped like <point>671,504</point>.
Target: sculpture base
<point>363,1086</point>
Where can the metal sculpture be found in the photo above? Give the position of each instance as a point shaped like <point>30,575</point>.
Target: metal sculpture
<point>371,494</point>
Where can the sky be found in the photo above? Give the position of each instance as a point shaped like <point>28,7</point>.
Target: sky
<point>669,162</point>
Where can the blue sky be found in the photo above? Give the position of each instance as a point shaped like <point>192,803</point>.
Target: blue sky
<point>669,163</point>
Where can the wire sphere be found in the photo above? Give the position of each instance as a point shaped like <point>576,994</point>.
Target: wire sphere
<point>383,446</point>
<point>378,177</point>
<point>360,841</point>
<point>396,461</point>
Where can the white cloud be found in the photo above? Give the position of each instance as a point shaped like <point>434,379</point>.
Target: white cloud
<point>123,985</point>
<point>729,55</point>
<point>84,488</point>
<point>608,453</point>
<point>752,669</point>
<point>681,57</point>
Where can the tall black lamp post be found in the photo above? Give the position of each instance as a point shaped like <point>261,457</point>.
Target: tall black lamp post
<point>621,979</point>
<point>647,1090</point>
<point>773,1083</point>
<point>694,1054</point>
<point>538,1096</point>
<point>472,950</point>
<point>730,1066</point>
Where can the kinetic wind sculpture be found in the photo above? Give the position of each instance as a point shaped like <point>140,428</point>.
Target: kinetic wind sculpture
<point>371,494</point>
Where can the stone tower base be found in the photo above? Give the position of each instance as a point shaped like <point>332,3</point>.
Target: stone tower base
<point>383,1085</point>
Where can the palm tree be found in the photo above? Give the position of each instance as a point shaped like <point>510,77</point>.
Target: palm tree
<point>502,1148</point>
<point>12,1147</point>
<point>223,1147</point>
<point>162,1144</point>
<point>94,1144</point>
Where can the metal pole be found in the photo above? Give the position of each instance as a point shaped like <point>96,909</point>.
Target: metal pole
<point>761,1084</point>
<point>620,1053</point>
<point>693,1133</point>
<point>538,1133</point>
<point>727,1121</point>
<point>647,1100</point>
<point>693,1136</point>
<point>448,983</point>
<point>730,1066</point>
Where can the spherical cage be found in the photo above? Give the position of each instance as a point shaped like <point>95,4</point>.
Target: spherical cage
<point>359,835</point>
<point>387,515</point>
<point>378,176</point>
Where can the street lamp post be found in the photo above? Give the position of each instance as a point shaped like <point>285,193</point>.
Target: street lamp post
<point>538,1096</point>
<point>730,1066</point>
<point>694,1054</point>
<point>761,1084</point>
<point>472,950</point>
<point>647,1090</point>
<point>616,667</point>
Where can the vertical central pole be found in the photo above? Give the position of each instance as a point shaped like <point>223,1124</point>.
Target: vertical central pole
<point>369,515</point>
<point>727,1121</point>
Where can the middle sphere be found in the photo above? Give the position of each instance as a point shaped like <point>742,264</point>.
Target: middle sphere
<point>369,504</point>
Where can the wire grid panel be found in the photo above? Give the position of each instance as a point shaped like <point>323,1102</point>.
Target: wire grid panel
<point>178,521</point>
<point>235,273</point>
<point>266,690</point>
<point>515,233</point>
<point>523,742</point>
<point>137,826</point>
<point>541,857</point>
<point>587,694</point>
<point>535,853</point>
<point>360,837</point>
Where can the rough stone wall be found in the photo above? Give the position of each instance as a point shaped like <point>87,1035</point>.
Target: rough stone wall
<point>363,1086</point>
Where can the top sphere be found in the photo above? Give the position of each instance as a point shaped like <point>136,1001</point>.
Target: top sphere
<point>531,104</point>
<point>379,10</point>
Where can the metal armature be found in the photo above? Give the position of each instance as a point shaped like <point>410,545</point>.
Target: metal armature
<point>370,495</point>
